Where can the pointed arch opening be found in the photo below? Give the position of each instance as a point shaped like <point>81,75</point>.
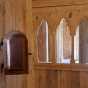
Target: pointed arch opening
<point>42,42</point>
<point>81,43</point>
<point>63,43</point>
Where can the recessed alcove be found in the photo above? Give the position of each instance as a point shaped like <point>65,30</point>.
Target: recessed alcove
<point>42,42</point>
<point>83,41</point>
<point>63,42</point>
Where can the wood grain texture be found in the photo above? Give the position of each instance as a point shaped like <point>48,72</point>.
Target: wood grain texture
<point>14,15</point>
<point>83,79</point>
<point>62,67</point>
<point>60,78</point>
<point>15,81</point>
<point>17,16</point>
<point>1,19</point>
<point>54,3</point>
<point>75,79</point>
<point>46,79</point>
<point>66,79</point>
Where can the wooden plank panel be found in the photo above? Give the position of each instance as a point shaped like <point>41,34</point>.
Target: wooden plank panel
<point>46,79</point>
<point>75,79</point>
<point>48,3</point>
<point>9,16</point>
<point>37,78</point>
<point>16,81</point>
<point>83,79</point>
<point>59,79</point>
<point>17,17</point>
<point>43,79</point>
<point>52,77</point>
<point>66,77</point>
<point>1,19</point>
<point>20,9</point>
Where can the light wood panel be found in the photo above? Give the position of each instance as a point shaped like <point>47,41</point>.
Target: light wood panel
<point>1,19</point>
<point>14,15</point>
<point>52,3</point>
<point>15,81</point>
<point>75,79</point>
<point>66,79</point>
<point>17,15</point>
<point>60,78</point>
<point>62,67</point>
<point>83,79</point>
<point>46,79</point>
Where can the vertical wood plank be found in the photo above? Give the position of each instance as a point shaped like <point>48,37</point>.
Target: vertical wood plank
<point>75,79</point>
<point>1,19</point>
<point>66,79</point>
<point>46,79</point>
<point>59,79</point>
<point>16,81</point>
<point>52,79</point>
<point>83,79</point>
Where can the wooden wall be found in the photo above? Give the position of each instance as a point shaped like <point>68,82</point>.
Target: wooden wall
<point>17,15</point>
<point>56,3</point>
<point>59,75</point>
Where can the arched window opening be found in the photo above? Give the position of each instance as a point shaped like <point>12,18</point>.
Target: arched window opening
<point>42,42</point>
<point>63,43</point>
<point>83,42</point>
